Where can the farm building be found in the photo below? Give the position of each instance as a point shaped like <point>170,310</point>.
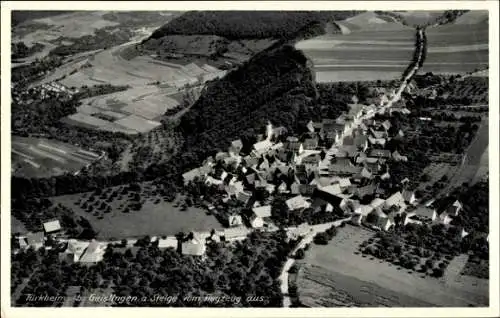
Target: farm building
<point>409,196</point>
<point>426,213</point>
<point>194,247</point>
<point>169,241</point>
<point>297,203</point>
<point>397,200</point>
<point>93,253</point>
<point>52,227</point>
<point>74,250</point>
<point>35,240</point>
<point>235,233</point>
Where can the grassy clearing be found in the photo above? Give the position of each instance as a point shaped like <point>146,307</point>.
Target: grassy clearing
<point>335,275</point>
<point>156,216</point>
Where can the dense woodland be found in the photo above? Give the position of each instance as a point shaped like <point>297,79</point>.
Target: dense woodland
<point>249,268</point>
<point>248,24</point>
<point>101,39</point>
<point>19,50</point>
<point>25,74</point>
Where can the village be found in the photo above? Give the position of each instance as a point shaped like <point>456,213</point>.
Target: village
<point>332,169</point>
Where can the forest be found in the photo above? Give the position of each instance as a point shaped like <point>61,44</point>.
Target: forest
<point>19,50</point>
<point>249,268</point>
<point>236,25</point>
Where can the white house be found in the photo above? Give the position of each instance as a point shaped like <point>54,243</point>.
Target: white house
<point>52,226</point>
<point>455,208</point>
<point>409,196</point>
<point>444,218</point>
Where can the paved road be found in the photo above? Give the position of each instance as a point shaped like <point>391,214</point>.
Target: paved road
<point>314,229</point>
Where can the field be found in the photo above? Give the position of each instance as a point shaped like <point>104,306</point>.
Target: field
<point>332,275</point>
<point>155,88</point>
<point>156,217</point>
<point>457,48</point>
<point>37,157</point>
<point>370,49</point>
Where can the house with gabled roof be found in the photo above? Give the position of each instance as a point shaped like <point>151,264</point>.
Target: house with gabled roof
<point>298,202</point>
<point>444,218</point>
<point>386,125</point>
<point>74,250</point>
<point>395,199</point>
<point>314,126</point>
<point>369,189</point>
<point>243,196</point>
<point>426,213</point>
<point>194,247</point>
<point>380,153</point>
<point>310,143</point>
<point>93,253</point>
<point>35,240</point>
<point>307,189</point>
<point>236,146</point>
<point>335,200</point>
<point>398,157</point>
<point>236,233</point>
<point>409,196</point>
<point>261,147</point>
<point>333,189</point>
<point>52,227</point>
<point>221,155</point>
<point>377,141</point>
<point>377,203</point>
<point>454,208</point>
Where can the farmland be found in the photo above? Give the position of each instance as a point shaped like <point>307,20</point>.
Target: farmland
<point>457,47</point>
<point>155,87</point>
<point>37,157</point>
<point>370,49</point>
<point>120,218</point>
<point>334,275</point>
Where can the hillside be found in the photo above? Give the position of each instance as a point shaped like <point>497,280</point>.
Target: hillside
<point>473,17</point>
<point>373,21</point>
<point>247,24</point>
<point>275,85</point>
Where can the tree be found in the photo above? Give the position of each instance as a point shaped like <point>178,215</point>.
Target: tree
<point>300,254</point>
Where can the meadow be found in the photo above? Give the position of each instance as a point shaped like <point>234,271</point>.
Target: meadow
<point>155,217</point>
<point>334,275</point>
<point>38,157</point>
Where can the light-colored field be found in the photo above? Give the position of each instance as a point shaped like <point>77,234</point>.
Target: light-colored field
<point>362,54</point>
<point>111,67</point>
<point>153,219</point>
<point>38,157</point>
<point>134,109</point>
<point>137,123</point>
<point>420,17</point>
<point>78,24</point>
<point>369,21</point>
<point>473,17</point>
<point>335,276</point>
<point>457,48</point>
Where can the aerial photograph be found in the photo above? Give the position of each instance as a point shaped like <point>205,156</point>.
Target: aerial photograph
<point>249,159</point>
